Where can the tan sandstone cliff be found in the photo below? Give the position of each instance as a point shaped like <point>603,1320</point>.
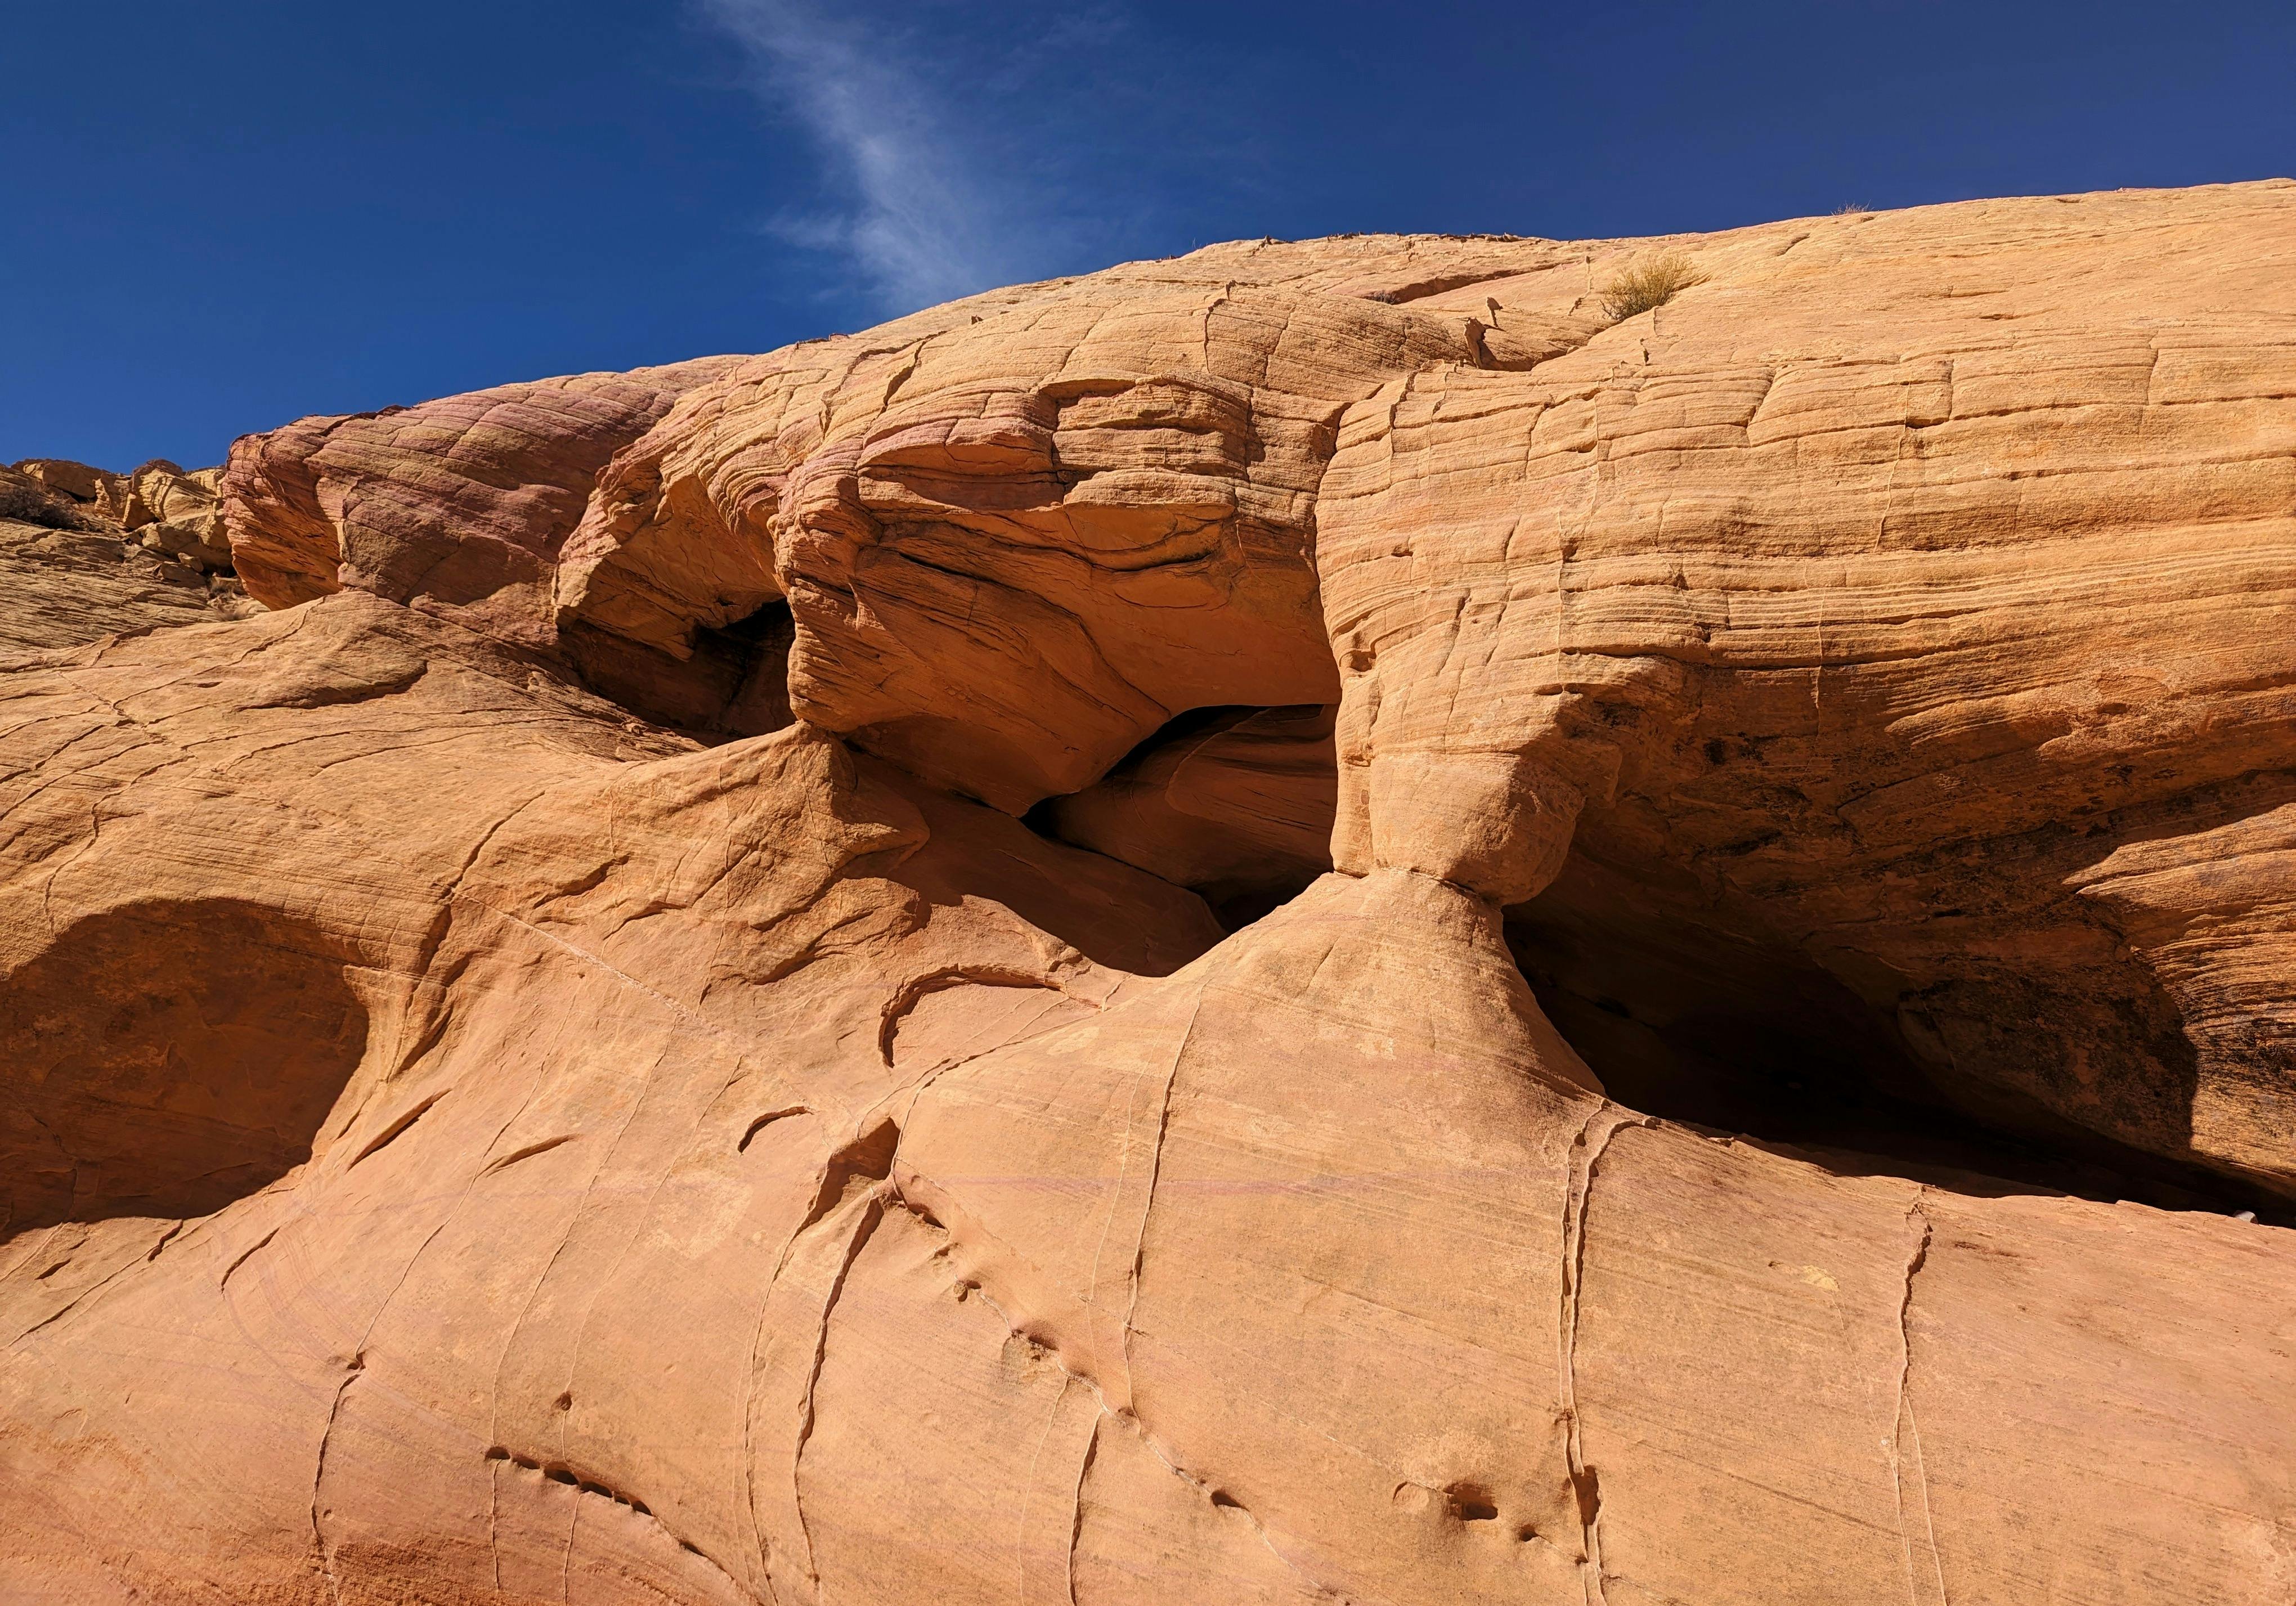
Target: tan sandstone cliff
<point>1306,924</point>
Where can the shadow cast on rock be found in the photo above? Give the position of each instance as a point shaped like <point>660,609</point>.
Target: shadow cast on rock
<point>164,1059</point>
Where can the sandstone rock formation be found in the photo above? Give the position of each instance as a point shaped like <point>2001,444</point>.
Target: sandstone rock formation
<point>84,552</point>
<point>1297,924</point>
<point>172,512</point>
<point>457,503</point>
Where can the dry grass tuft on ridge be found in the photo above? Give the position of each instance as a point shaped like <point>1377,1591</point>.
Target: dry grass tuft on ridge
<point>1648,284</point>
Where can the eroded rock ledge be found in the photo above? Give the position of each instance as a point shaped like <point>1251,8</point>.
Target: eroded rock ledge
<point>1304,923</point>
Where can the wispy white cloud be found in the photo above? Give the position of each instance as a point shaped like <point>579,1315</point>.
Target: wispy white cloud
<point>930,211</point>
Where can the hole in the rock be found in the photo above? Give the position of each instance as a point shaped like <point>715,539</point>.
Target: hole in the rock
<point>1111,913</point>
<point>1236,908</point>
<point>867,1158</point>
<point>1236,803</point>
<point>755,652</point>
<point>166,1058</point>
<point>1587,1483</point>
<point>735,683</point>
<point>1709,1028</point>
<point>1471,1502</point>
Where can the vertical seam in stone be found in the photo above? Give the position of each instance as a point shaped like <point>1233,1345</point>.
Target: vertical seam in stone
<point>319,1476</point>
<point>566,1562</point>
<point>1028,1483</point>
<point>510,1339</point>
<point>1076,1508</point>
<point>494,1511</point>
<point>872,1213</point>
<point>1905,1434</point>
<point>1578,1186</point>
<point>1148,1205</point>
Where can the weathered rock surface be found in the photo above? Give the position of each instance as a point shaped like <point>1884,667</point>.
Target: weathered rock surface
<point>64,587</point>
<point>460,503</point>
<point>29,498</point>
<point>84,552</point>
<point>1682,798</point>
<point>173,512</point>
<point>1873,593</point>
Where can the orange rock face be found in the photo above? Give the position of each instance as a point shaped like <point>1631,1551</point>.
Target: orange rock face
<point>456,505</point>
<point>1300,924</point>
<point>84,552</point>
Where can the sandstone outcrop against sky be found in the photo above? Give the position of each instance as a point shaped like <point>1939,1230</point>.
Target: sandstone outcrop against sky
<point>1310,922</point>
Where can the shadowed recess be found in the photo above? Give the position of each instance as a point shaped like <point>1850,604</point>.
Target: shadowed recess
<point>733,682</point>
<point>168,1058</point>
<point>1711,1026</point>
<point>1233,803</point>
<point>1681,1015</point>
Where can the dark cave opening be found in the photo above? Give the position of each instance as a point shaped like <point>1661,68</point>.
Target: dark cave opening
<point>1756,1040</point>
<point>1233,803</point>
<point>735,683</point>
<point>752,655</point>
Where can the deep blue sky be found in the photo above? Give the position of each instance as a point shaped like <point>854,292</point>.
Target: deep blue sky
<point>214,218</point>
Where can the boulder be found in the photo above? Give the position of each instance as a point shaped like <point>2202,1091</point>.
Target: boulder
<point>65,478</point>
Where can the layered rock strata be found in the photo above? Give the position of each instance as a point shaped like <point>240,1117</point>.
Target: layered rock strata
<point>454,505</point>
<point>85,553</point>
<point>1208,933</point>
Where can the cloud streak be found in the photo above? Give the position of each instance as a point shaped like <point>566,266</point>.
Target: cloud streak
<point>921,221</point>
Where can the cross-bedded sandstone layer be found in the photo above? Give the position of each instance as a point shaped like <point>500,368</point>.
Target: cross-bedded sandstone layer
<point>1299,924</point>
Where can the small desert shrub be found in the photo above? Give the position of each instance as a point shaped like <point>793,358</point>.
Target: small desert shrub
<point>1648,284</point>
<point>26,501</point>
